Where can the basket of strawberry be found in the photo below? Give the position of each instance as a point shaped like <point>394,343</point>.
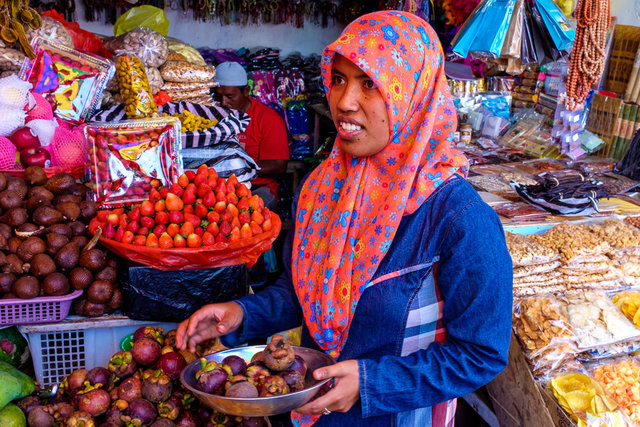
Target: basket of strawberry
<point>201,221</point>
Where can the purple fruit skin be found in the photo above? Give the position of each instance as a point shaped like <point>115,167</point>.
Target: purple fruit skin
<point>212,382</point>
<point>299,365</point>
<point>99,375</point>
<point>237,364</point>
<point>143,410</point>
<point>130,389</point>
<point>294,380</point>
<point>96,402</point>
<point>146,351</point>
<point>187,419</point>
<point>156,392</point>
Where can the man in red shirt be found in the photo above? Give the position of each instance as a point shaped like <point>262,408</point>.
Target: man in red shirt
<point>265,139</point>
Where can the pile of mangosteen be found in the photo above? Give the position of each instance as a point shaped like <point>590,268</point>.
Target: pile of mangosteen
<point>139,387</point>
<point>274,371</point>
<point>45,249</point>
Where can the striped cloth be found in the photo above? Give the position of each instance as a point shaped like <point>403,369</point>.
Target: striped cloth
<point>230,122</point>
<point>218,146</point>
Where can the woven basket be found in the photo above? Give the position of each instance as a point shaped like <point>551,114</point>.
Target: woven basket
<point>626,40</point>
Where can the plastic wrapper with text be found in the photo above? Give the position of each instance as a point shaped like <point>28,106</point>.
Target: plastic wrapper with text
<point>125,157</point>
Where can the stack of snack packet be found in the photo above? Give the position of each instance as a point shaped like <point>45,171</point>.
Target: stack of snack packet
<point>534,266</point>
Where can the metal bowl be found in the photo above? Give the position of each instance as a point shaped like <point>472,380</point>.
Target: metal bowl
<point>259,406</point>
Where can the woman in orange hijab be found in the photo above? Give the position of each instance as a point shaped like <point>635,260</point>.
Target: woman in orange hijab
<point>396,267</point>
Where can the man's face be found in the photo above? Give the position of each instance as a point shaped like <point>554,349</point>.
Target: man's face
<point>233,97</point>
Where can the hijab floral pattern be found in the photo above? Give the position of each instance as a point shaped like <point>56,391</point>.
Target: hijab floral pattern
<point>350,208</point>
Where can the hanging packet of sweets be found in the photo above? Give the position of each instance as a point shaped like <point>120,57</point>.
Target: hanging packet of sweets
<point>70,80</point>
<point>134,88</point>
<point>127,158</point>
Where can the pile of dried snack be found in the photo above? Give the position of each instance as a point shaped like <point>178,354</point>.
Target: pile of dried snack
<point>624,240</point>
<point>541,325</point>
<point>621,380</point>
<point>534,266</point>
<point>585,264</point>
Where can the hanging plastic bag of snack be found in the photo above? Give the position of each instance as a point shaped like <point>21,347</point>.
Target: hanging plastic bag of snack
<point>135,89</point>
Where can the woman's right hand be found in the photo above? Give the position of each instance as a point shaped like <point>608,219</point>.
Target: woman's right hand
<point>208,322</point>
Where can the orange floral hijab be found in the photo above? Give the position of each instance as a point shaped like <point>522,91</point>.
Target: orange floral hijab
<point>350,208</point>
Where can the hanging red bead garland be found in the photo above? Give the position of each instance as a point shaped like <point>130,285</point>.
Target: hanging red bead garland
<point>587,60</point>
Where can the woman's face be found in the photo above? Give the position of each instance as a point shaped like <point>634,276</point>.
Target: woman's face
<point>358,109</point>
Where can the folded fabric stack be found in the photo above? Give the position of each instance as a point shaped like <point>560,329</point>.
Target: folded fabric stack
<point>534,266</point>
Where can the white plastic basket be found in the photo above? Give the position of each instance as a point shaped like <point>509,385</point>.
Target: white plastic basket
<point>58,349</point>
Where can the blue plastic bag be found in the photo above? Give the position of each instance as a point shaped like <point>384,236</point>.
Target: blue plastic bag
<point>558,25</point>
<point>486,30</point>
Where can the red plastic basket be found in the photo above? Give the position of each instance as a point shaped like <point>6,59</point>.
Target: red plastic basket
<point>36,310</point>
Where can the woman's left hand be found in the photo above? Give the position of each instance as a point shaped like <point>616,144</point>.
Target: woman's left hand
<point>344,393</point>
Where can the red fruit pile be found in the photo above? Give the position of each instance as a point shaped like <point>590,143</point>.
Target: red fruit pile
<point>199,210</point>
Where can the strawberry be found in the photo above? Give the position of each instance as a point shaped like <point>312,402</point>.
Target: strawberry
<point>193,219</point>
<point>235,234</point>
<point>135,214</point>
<point>193,240</point>
<point>159,230</point>
<point>102,215</point>
<point>160,205</point>
<point>176,189</point>
<point>119,234</point>
<point>220,206</point>
<point>257,217</point>
<point>203,189</point>
<point>128,237</point>
<point>208,239</point>
<point>190,175</point>
<point>212,173</point>
<point>212,181</point>
<point>232,198</point>
<point>155,183</point>
<point>199,231</point>
<point>225,228</point>
<point>233,210</point>
<point>213,217</point>
<point>173,202</point>
<point>209,199</point>
<point>179,241</point>
<point>186,228</point>
<point>152,241</point>
<point>266,213</point>
<point>147,221</point>
<point>233,180</point>
<point>200,179</point>
<point>133,226</point>
<point>154,195</point>
<point>244,217</point>
<point>235,223</point>
<point>143,230</point>
<point>123,221</point>
<point>266,225</point>
<point>147,209</point>
<point>183,180</point>
<point>221,196</point>
<point>189,197</point>
<point>243,204</point>
<point>165,241</point>
<point>203,169</point>
<point>201,210</point>
<point>113,219</point>
<point>188,209</point>
<point>255,228</point>
<point>162,218</point>
<point>242,191</point>
<point>245,231</point>
<point>109,231</point>
<point>176,217</point>
<point>226,216</point>
<point>191,187</point>
<point>140,240</point>
<point>256,203</point>
<point>220,238</point>
<point>213,229</point>
<point>163,192</point>
<point>173,229</point>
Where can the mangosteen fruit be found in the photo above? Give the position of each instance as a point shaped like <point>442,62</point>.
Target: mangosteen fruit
<point>149,332</point>
<point>145,351</point>
<point>212,382</point>
<point>278,355</point>
<point>243,389</point>
<point>26,404</point>
<point>294,380</point>
<point>40,417</point>
<point>171,363</point>
<point>187,419</point>
<point>257,373</point>
<point>100,377</point>
<point>299,365</point>
<point>96,402</point>
<point>130,389</point>
<point>170,408</point>
<point>273,385</point>
<point>142,410</point>
<point>163,422</point>
<point>122,364</point>
<point>237,364</point>
<point>75,380</point>
<point>157,388</point>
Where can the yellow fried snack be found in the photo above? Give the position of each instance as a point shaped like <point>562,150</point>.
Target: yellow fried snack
<point>134,88</point>
<point>191,122</point>
<point>628,302</point>
<point>621,380</point>
<point>583,398</point>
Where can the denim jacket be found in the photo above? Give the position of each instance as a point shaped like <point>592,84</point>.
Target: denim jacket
<point>434,322</point>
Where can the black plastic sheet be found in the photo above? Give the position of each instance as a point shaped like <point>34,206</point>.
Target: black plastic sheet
<point>172,296</point>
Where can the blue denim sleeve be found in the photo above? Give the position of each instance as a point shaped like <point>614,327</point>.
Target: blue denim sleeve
<point>474,275</point>
<point>271,310</point>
